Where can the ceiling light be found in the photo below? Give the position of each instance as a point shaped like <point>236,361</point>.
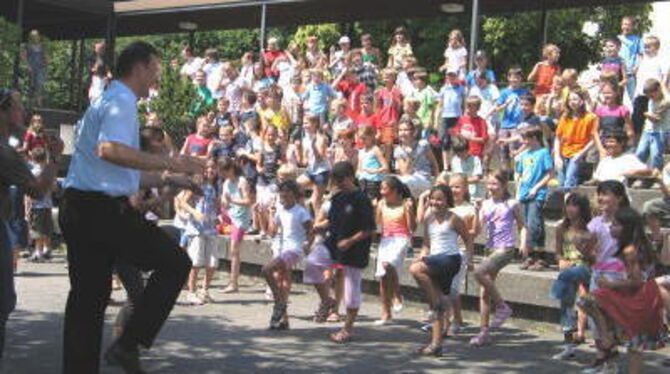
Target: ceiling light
<point>452,8</point>
<point>188,26</point>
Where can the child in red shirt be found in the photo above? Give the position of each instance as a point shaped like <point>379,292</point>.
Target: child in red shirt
<point>34,137</point>
<point>472,127</point>
<point>389,107</point>
<point>352,89</point>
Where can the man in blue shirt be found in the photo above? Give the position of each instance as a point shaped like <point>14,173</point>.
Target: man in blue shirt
<point>631,50</point>
<point>101,228</point>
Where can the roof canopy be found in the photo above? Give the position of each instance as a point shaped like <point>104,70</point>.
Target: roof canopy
<point>70,19</point>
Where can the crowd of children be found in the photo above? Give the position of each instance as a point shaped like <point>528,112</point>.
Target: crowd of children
<point>320,152</point>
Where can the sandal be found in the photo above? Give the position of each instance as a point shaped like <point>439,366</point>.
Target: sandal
<point>333,317</point>
<point>340,337</point>
<point>429,350</point>
<point>321,314</point>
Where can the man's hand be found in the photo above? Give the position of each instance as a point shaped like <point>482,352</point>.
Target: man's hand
<point>185,164</point>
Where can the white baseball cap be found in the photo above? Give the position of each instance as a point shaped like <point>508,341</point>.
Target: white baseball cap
<point>344,40</point>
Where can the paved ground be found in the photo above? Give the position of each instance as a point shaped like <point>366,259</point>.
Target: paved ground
<point>230,336</point>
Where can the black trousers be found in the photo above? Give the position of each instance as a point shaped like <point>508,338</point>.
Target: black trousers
<point>101,231</point>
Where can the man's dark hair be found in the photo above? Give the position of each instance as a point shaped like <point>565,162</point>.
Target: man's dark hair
<point>135,53</point>
<point>342,170</point>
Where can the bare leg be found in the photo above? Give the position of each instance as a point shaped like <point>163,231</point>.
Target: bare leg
<point>234,266</point>
<point>193,279</point>
<point>207,281</point>
<point>420,272</point>
<point>457,310</point>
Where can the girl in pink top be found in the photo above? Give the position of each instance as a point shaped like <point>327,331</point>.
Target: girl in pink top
<point>396,218</point>
<point>499,214</point>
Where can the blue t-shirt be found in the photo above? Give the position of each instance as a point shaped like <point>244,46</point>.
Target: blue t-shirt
<point>111,118</point>
<point>452,100</point>
<point>631,49</point>
<point>470,78</point>
<point>318,97</point>
<point>533,165</point>
<point>512,115</point>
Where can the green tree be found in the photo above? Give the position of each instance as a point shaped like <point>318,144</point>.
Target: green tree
<point>174,100</point>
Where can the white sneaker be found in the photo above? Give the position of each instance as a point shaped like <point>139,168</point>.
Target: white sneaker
<point>567,353</point>
<point>193,299</point>
<point>382,322</point>
<point>205,297</point>
<point>397,308</point>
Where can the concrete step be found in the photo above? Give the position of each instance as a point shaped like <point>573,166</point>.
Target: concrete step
<point>516,285</point>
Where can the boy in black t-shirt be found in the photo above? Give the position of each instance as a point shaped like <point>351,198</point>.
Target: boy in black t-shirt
<point>349,231</point>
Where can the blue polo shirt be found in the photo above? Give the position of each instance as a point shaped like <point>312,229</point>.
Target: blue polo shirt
<point>318,97</point>
<point>110,118</point>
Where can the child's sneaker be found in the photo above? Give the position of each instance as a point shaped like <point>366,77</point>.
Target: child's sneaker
<point>568,353</point>
<point>503,312</point>
<point>193,299</point>
<point>205,297</point>
<point>481,339</point>
<point>278,312</point>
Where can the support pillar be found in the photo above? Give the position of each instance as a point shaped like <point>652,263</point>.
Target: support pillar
<point>264,10</point>
<point>474,34</point>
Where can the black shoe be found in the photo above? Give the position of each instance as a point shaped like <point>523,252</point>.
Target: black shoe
<point>128,360</point>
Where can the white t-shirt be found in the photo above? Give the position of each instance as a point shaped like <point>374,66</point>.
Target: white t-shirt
<point>455,58</point>
<point>471,166</point>
<point>292,224</point>
<point>649,68</point>
<point>191,67</point>
<point>613,168</point>
<point>663,124</point>
<point>214,75</point>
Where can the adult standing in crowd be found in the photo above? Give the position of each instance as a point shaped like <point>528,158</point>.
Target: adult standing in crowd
<point>101,228</point>
<point>14,171</point>
<point>36,58</point>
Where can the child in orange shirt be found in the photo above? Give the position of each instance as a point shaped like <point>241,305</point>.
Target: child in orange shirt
<point>575,135</point>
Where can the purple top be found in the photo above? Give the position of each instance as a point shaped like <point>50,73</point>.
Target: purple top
<point>498,216</point>
<point>607,245</point>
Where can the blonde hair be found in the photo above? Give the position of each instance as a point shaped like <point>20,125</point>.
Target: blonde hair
<point>457,35</point>
<point>287,172</point>
<point>653,40</point>
<point>548,49</point>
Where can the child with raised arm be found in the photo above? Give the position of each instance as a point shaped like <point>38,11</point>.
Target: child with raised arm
<point>543,72</point>
<point>396,218</point>
<point>440,261</point>
<point>351,225</point>
<point>509,103</point>
<point>295,224</point>
<point>499,214</point>
<point>237,199</point>
<point>201,234</point>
